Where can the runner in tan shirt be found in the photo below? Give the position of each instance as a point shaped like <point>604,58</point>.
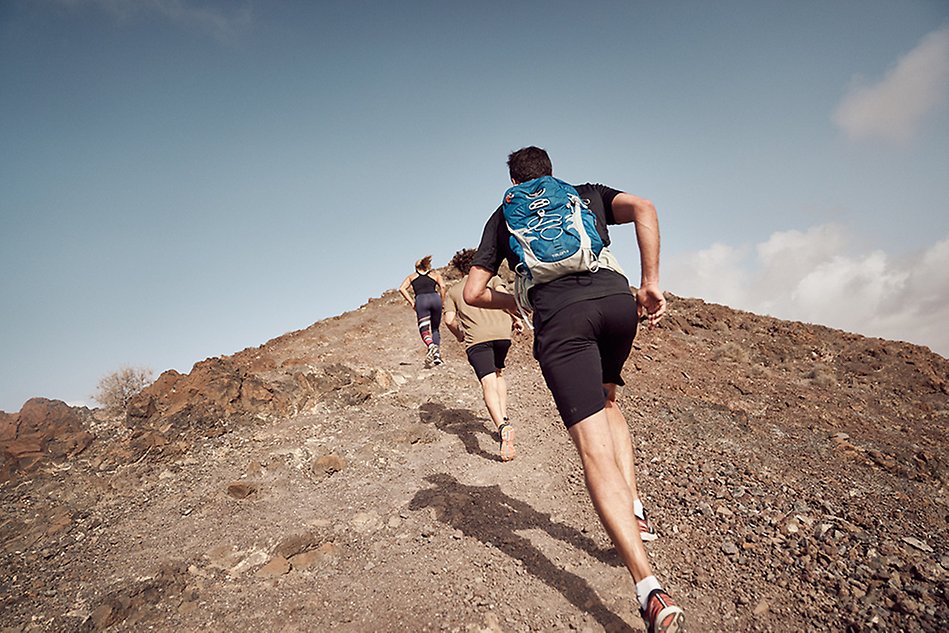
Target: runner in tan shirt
<point>487,338</point>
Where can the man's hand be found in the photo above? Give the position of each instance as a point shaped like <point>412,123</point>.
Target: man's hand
<point>651,303</point>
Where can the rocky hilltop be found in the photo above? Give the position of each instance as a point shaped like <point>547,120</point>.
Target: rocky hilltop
<point>327,481</point>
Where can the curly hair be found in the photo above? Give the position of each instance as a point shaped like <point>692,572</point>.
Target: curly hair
<point>462,260</point>
<point>528,163</point>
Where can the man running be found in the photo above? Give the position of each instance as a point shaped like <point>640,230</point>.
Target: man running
<point>487,338</point>
<point>584,328</point>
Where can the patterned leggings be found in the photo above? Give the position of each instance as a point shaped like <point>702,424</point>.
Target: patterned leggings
<point>428,309</point>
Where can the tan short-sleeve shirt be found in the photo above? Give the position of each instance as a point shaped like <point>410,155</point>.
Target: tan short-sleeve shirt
<point>480,325</point>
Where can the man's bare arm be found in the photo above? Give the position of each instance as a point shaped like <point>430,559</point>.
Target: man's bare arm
<point>642,212</point>
<point>478,294</point>
<point>454,325</point>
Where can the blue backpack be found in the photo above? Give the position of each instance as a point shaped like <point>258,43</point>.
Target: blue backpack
<point>553,233</point>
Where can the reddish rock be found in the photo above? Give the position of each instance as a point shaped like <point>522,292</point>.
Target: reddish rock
<point>312,557</point>
<point>223,391</point>
<point>241,490</point>
<point>42,429</point>
<point>277,566</point>
<point>328,465</point>
<point>297,544</point>
<point>23,446</point>
<point>216,389</point>
<point>7,426</point>
<point>262,363</point>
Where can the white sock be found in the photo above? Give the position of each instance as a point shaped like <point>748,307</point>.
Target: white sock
<point>638,509</point>
<point>644,587</point>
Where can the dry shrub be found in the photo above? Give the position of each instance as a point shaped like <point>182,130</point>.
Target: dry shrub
<point>117,389</point>
<point>731,351</point>
<point>761,372</point>
<point>822,377</point>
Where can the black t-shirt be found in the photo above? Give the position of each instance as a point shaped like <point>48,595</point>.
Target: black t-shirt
<point>550,297</point>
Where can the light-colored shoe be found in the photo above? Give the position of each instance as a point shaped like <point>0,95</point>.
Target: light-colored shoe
<point>506,431</point>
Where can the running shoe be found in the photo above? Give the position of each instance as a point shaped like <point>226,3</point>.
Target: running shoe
<point>430,355</point>
<point>647,531</point>
<point>662,615</point>
<point>437,356</point>
<point>506,431</point>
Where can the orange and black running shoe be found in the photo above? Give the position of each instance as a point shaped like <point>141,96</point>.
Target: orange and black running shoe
<point>662,615</point>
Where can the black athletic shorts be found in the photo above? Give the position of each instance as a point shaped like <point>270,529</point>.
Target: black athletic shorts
<point>488,357</point>
<point>582,347</point>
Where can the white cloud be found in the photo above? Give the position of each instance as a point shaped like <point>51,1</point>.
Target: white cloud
<point>893,108</point>
<point>813,276</point>
<point>807,248</point>
<point>713,272</point>
<point>187,13</point>
<point>847,290</point>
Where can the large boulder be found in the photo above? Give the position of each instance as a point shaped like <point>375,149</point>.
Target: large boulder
<point>217,389</point>
<point>42,430</point>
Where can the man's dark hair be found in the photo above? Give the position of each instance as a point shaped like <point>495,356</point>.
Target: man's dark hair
<point>462,260</point>
<point>529,163</point>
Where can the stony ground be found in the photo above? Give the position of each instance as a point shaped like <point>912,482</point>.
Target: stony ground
<point>797,476</point>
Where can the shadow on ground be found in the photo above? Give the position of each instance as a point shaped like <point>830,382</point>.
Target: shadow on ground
<point>492,517</point>
<point>461,422</point>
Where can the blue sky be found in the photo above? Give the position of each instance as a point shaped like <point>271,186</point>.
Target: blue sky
<point>182,179</point>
